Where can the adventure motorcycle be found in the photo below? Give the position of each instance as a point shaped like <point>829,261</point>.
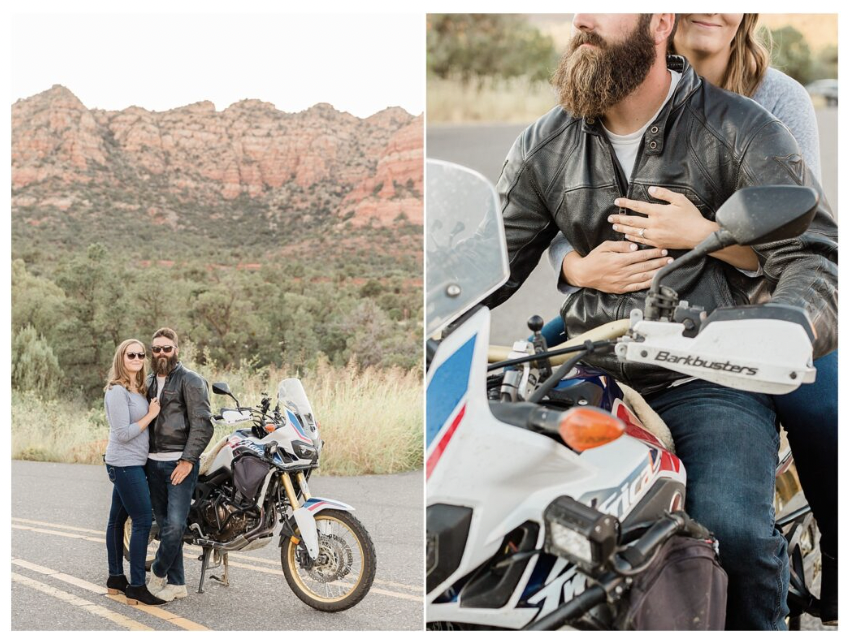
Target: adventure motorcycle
<point>256,478</point>
<point>554,497</point>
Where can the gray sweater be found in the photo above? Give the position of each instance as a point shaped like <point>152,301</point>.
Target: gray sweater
<point>790,103</point>
<point>128,443</point>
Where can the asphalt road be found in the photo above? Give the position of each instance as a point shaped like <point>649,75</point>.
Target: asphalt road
<point>484,147</point>
<point>59,568</point>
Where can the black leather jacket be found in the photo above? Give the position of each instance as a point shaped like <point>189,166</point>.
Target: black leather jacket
<point>562,175</point>
<point>183,422</point>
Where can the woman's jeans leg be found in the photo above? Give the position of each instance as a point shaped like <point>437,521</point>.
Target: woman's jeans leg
<point>130,497</point>
<point>171,504</point>
<point>810,417</point>
<point>115,532</point>
<point>728,442</point>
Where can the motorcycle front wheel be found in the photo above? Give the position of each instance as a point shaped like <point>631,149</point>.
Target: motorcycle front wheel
<point>344,570</point>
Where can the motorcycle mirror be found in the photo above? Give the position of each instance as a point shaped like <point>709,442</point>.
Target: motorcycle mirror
<point>222,388</point>
<point>758,215</point>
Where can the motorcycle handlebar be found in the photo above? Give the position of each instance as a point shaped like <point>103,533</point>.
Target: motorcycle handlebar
<point>635,557</point>
<point>612,330</point>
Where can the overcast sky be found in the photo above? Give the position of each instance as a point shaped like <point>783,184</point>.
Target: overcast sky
<point>358,63</point>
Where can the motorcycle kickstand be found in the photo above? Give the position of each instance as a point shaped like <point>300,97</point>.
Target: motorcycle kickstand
<point>204,558</point>
<point>225,580</point>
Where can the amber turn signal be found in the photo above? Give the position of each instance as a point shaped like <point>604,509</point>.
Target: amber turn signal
<point>270,427</point>
<point>585,428</point>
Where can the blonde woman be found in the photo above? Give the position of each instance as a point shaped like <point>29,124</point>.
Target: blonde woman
<point>726,49</point>
<point>126,454</point>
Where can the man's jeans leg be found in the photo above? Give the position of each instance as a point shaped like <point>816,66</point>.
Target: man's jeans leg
<point>728,442</point>
<point>171,504</point>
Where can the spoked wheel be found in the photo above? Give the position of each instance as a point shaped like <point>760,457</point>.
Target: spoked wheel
<point>151,555</point>
<point>344,570</point>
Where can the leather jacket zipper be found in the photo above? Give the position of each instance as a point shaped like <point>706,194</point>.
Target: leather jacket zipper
<point>625,190</point>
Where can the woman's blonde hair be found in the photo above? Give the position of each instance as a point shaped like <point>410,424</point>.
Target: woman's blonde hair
<point>750,55</point>
<point>118,374</point>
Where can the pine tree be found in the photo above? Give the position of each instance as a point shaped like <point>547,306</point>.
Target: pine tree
<point>34,365</point>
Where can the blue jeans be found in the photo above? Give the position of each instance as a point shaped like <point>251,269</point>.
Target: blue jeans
<point>130,497</point>
<point>810,415</point>
<point>554,331</point>
<point>170,506</point>
<point>728,441</point>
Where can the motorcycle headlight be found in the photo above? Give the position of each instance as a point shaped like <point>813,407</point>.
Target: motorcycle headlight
<point>303,450</point>
<point>579,533</point>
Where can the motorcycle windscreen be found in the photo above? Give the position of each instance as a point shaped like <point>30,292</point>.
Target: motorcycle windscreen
<point>290,393</point>
<point>465,243</point>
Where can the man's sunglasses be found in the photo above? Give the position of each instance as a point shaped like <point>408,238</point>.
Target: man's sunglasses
<point>165,349</point>
<point>132,355</point>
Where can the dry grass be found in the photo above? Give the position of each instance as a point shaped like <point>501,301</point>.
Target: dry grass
<point>371,420</point>
<point>63,431</point>
<point>523,101</point>
<point>514,101</point>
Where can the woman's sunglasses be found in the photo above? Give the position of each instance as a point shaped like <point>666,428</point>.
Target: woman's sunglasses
<point>166,349</point>
<point>132,355</point>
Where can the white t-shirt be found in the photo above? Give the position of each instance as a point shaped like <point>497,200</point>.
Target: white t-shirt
<point>163,456</point>
<point>627,146</point>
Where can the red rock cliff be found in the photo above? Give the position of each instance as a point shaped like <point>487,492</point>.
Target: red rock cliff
<point>371,167</point>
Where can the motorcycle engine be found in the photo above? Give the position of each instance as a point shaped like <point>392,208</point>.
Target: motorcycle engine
<point>225,519</point>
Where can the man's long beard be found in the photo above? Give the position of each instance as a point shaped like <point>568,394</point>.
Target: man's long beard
<point>589,81</point>
<point>163,365</point>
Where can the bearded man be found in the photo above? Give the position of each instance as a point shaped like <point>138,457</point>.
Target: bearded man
<point>631,118</point>
<point>178,436</point>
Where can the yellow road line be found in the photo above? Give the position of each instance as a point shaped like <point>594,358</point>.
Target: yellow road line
<point>191,549</point>
<point>250,558</point>
<point>79,583</point>
<point>35,567</point>
<point>114,617</point>
<point>170,617</point>
<point>61,533</point>
<point>53,524</point>
<point>378,591</point>
<point>159,613</point>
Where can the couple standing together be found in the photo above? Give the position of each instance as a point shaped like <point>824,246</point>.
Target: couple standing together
<point>159,426</point>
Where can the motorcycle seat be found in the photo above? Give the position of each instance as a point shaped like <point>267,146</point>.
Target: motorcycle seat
<point>651,421</point>
<point>207,457</point>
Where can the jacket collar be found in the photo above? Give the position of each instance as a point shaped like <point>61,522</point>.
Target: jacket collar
<point>689,82</point>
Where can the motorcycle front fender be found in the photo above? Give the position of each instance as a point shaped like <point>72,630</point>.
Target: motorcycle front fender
<point>305,519</point>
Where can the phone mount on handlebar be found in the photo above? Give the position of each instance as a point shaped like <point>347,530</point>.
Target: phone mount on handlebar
<point>540,345</point>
